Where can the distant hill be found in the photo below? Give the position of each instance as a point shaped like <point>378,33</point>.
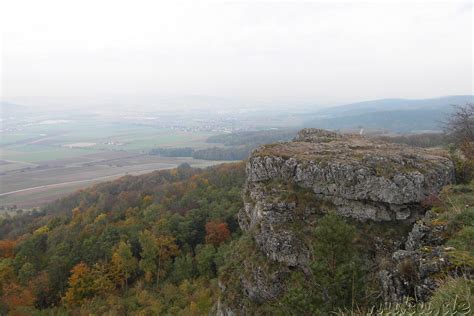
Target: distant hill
<point>7,105</point>
<point>397,115</point>
<point>8,108</point>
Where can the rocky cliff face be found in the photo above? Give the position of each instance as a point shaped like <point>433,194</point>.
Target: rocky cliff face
<point>350,175</point>
<point>363,179</point>
<point>289,185</point>
<point>413,268</point>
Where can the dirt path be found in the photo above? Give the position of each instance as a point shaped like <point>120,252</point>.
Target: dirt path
<point>77,181</point>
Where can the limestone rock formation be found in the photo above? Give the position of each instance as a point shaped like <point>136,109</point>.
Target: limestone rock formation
<point>415,266</point>
<point>291,185</point>
<point>349,174</point>
<point>364,179</point>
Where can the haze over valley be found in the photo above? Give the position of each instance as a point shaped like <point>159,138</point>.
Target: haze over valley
<point>47,154</point>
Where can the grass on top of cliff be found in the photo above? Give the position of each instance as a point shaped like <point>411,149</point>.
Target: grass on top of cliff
<point>384,159</point>
<point>454,208</point>
<point>453,297</point>
<point>354,145</point>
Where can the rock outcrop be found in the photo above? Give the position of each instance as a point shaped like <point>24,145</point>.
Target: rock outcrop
<point>414,267</point>
<point>362,178</point>
<point>290,184</point>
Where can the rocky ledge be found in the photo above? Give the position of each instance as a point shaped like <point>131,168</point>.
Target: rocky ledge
<point>322,171</point>
<point>362,178</point>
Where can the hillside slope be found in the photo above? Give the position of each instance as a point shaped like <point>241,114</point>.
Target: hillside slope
<point>395,115</point>
<point>149,244</point>
<point>440,103</point>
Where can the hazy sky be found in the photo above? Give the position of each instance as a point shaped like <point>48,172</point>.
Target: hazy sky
<point>317,51</point>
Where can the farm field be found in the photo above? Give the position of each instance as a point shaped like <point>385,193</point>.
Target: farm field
<point>33,187</point>
<point>42,160</point>
<point>34,144</point>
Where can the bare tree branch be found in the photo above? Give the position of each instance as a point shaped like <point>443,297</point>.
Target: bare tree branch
<point>460,123</point>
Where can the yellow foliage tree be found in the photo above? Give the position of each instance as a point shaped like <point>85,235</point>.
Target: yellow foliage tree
<point>86,282</point>
<point>124,262</point>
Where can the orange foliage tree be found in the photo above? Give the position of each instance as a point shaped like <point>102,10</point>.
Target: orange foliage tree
<point>15,296</point>
<point>7,248</point>
<point>80,284</point>
<point>217,232</point>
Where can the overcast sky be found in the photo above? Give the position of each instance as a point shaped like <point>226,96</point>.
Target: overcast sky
<point>315,51</point>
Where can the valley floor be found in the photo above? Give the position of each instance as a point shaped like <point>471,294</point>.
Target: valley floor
<point>37,184</point>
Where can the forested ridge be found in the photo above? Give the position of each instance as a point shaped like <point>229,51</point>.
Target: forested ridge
<point>149,244</point>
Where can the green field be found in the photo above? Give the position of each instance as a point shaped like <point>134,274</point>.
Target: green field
<point>38,143</point>
<point>36,154</point>
<point>41,162</point>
